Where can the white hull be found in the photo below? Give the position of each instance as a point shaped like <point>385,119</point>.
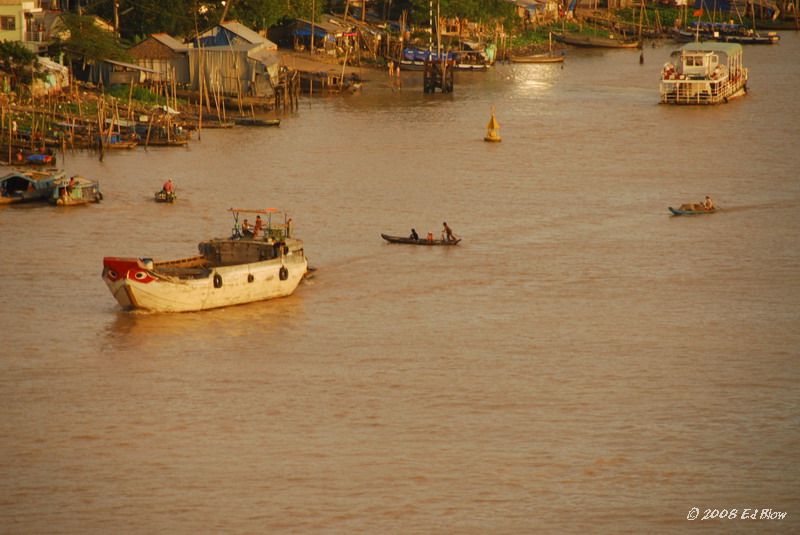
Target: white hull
<point>144,287</point>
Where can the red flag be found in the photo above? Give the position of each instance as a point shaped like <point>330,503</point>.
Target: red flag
<point>698,12</point>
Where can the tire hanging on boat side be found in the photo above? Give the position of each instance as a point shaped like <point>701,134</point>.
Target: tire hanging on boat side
<point>283,273</point>
<point>217,280</point>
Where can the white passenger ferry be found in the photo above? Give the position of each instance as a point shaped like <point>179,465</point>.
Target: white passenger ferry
<point>708,73</point>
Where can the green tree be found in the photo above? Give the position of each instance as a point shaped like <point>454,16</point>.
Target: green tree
<point>89,42</point>
<point>485,10</point>
<point>19,62</point>
<point>261,14</point>
<point>140,18</point>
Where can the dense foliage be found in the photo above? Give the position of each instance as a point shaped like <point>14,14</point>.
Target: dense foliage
<point>89,42</point>
<point>19,62</point>
<point>474,10</point>
<point>140,18</point>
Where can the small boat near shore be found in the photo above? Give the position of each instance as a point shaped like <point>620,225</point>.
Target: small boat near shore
<point>537,58</point>
<point>228,271</point>
<point>707,73</point>
<point>419,241</point>
<point>594,41</point>
<point>75,191</point>
<point>253,121</point>
<point>27,185</point>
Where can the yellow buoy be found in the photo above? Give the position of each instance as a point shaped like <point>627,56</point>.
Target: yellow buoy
<point>492,128</point>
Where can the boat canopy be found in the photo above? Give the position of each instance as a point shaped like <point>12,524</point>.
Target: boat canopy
<point>272,228</point>
<point>254,210</point>
<point>731,49</point>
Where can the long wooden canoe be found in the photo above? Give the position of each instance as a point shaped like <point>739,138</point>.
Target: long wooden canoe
<point>420,241</point>
<point>252,121</point>
<point>683,211</point>
<point>577,39</point>
<point>537,58</point>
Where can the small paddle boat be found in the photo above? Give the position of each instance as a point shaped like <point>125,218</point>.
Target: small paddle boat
<point>692,209</point>
<point>165,196</point>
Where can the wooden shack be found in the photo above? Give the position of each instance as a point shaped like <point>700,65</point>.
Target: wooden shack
<point>235,70</point>
<point>109,72</point>
<point>165,55</point>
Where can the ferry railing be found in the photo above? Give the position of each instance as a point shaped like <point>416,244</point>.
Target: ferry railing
<point>696,91</point>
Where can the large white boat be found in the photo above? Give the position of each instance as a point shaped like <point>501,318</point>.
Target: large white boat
<point>708,73</point>
<point>252,265</point>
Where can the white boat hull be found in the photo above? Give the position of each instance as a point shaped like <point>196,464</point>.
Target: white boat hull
<point>135,286</point>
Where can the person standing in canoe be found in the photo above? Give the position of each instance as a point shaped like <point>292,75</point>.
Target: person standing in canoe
<point>448,232</point>
<point>414,235</point>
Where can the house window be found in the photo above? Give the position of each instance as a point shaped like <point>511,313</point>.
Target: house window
<point>8,23</point>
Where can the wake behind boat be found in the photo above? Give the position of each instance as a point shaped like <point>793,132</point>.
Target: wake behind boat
<point>419,241</point>
<point>255,264</point>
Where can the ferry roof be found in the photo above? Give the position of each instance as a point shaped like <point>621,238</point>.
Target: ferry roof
<point>712,46</point>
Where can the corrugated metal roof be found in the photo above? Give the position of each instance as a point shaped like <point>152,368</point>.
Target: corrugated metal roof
<point>712,46</point>
<point>170,42</point>
<point>129,66</point>
<point>265,56</point>
<point>243,31</point>
<point>327,27</point>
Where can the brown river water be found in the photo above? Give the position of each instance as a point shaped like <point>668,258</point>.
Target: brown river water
<point>581,363</point>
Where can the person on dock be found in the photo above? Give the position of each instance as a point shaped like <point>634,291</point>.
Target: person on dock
<point>448,232</point>
<point>259,226</point>
<point>414,235</point>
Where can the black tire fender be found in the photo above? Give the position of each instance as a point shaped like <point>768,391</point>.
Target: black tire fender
<point>283,273</point>
<point>217,280</point>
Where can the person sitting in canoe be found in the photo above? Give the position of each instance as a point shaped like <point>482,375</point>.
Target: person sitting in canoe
<point>707,203</point>
<point>414,235</point>
<point>167,187</point>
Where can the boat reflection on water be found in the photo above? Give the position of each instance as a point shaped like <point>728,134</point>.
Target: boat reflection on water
<point>168,333</point>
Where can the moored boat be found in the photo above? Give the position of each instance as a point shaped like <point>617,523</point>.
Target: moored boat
<point>75,190</point>
<point>253,121</point>
<point>537,58</point>
<point>228,271</point>
<point>708,73</point>
<point>594,41</point>
<point>42,159</point>
<point>27,186</point>
<point>419,241</point>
